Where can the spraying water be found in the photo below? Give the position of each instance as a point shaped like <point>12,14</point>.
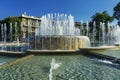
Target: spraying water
<point>116,35</point>
<point>10,35</point>
<point>2,35</point>
<point>105,61</point>
<point>57,24</point>
<point>54,66</point>
<point>5,36</point>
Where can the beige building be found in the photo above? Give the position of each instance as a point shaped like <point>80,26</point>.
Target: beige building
<point>29,22</point>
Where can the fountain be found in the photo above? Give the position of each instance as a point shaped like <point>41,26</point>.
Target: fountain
<point>116,33</point>
<point>58,32</point>
<point>54,66</point>
<point>107,35</point>
<point>10,37</point>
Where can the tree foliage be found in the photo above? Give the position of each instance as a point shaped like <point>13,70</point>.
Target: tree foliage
<point>103,17</point>
<point>116,12</point>
<point>12,20</point>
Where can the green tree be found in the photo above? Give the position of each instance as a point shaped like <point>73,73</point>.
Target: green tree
<point>101,17</point>
<point>116,12</point>
<point>12,20</point>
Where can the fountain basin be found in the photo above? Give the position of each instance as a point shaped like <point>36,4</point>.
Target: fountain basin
<point>58,42</point>
<point>117,44</point>
<point>101,48</point>
<point>75,67</point>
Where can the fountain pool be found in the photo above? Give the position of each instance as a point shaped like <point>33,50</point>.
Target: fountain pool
<point>113,53</point>
<point>75,67</point>
<point>6,59</point>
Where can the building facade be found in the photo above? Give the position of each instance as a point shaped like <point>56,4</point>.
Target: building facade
<point>29,22</point>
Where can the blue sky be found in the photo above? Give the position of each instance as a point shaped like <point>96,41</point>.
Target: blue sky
<point>80,9</point>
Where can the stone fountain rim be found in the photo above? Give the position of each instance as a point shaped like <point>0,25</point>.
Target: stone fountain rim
<point>60,36</point>
<point>102,48</point>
